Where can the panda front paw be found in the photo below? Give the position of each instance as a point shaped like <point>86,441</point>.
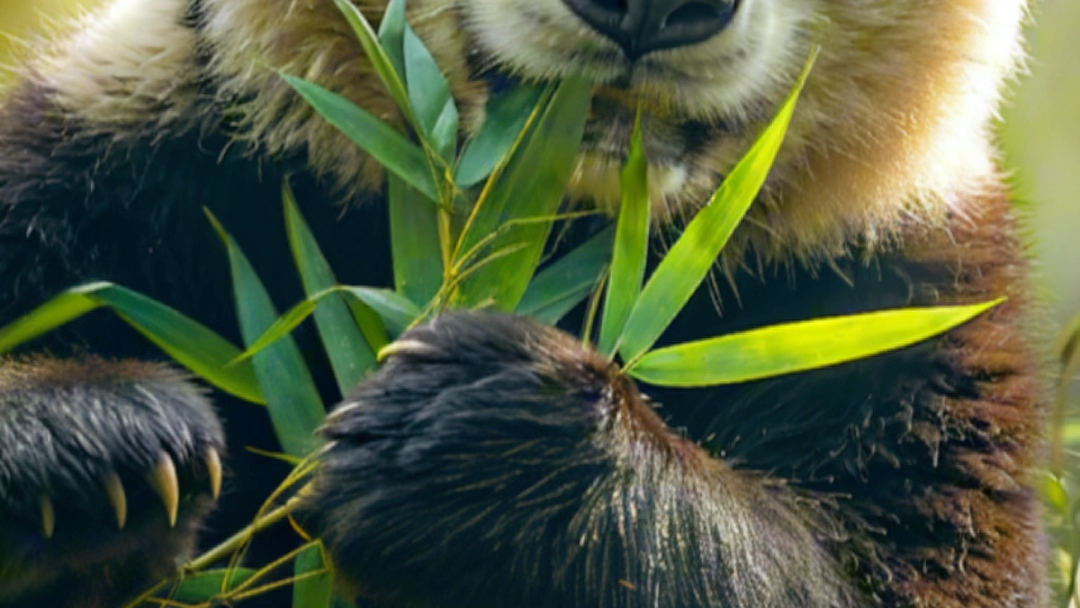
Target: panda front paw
<point>107,469</point>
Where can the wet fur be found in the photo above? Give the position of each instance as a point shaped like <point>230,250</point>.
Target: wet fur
<point>910,471</point>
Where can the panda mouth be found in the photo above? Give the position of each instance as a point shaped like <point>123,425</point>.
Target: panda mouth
<point>668,139</point>
<point>611,123</point>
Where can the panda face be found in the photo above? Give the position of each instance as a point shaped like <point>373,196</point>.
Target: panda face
<point>702,72</point>
<point>890,128</point>
<point>871,115</point>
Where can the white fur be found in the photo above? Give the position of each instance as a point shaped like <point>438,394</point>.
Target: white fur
<point>123,62</point>
<point>892,128</point>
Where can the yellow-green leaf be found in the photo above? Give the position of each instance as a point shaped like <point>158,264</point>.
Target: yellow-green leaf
<point>528,191</point>
<point>631,244</point>
<point>794,347</point>
<point>694,253</point>
<point>190,344</point>
<point>203,586</point>
<point>314,585</point>
<point>396,311</point>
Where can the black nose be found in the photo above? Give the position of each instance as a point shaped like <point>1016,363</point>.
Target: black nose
<point>641,26</point>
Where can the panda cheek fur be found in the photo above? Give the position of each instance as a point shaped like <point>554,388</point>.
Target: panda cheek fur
<point>469,471</point>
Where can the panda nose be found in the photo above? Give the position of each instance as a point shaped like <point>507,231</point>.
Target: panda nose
<point>643,26</point>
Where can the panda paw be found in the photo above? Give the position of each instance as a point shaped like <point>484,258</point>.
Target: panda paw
<point>107,469</point>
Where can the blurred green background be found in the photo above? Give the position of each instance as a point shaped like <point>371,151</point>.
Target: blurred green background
<point>1041,132</point>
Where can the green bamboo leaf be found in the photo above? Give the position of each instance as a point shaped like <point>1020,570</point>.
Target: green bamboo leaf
<point>430,96</point>
<point>384,67</point>
<point>62,308</point>
<point>529,190</point>
<point>190,344</point>
<point>396,311</point>
<point>505,117</point>
<point>203,586</point>
<point>392,36</point>
<point>392,311</point>
<point>351,357</point>
<point>314,587</point>
<point>693,254</point>
<point>282,326</point>
<point>383,142</point>
<point>372,326</point>
<point>414,242</point>
<point>294,404</point>
<point>1055,495</point>
<point>794,347</point>
<point>631,244</point>
<point>557,289</point>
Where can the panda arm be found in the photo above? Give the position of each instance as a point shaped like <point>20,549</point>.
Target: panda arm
<point>98,181</point>
<point>493,462</point>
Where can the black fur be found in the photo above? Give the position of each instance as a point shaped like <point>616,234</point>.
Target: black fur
<point>493,462</point>
<point>65,426</point>
<point>81,202</point>
<point>496,462</point>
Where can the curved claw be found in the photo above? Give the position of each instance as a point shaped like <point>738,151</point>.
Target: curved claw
<point>163,479</point>
<point>114,489</point>
<point>406,347</point>
<point>213,467</point>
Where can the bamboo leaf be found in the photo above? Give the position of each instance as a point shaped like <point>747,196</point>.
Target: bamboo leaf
<point>505,117</point>
<point>392,37</point>
<point>282,326</point>
<point>385,143</point>
<point>294,404</point>
<point>1055,495</point>
<point>396,311</point>
<point>794,347</point>
<point>384,67</point>
<point>561,286</point>
<point>351,357</point>
<point>631,244</point>
<point>693,254</point>
<point>414,242</point>
<point>528,190</point>
<point>316,589</point>
<point>430,96</point>
<point>393,311</point>
<point>372,326</point>
<point>190,344</point>
<point>203,586</point>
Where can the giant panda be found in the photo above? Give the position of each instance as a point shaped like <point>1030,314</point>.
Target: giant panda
<point>493,461</point>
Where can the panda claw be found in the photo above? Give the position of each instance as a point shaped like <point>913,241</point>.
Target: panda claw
<point>114,489</point>
<point>164,481</point>
<point>406,347</point>
<point>213,468</point>
<point>48,516</point>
